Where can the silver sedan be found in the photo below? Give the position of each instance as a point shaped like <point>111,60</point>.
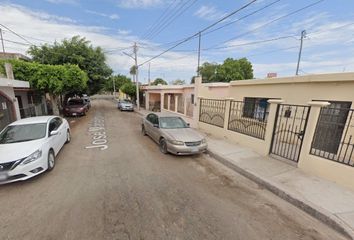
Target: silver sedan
<point>173,134</point>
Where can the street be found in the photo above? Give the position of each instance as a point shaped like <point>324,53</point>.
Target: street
<point>119,186</point>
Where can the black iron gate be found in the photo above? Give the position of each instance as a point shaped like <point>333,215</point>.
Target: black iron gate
<point>289,129</point>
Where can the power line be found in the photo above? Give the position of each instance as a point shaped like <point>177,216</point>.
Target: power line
<point>158,21</point>
<point>197,34</point>
<point>239,19</point>
<point>178,13</point>
<point>18,35</point>
<point>270,22</point>
<point>15,42</point>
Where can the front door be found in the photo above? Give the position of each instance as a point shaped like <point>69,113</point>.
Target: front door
<point>289,130</point>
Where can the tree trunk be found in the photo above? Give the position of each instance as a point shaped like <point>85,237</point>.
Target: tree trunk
<point>55,106</point>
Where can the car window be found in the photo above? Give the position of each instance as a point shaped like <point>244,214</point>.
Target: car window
<point>153,118</point>
<point>52,125</point>
<point>75,102</point>
<point>58,122</point>
<point>23,133</point>
<point>172,122</point>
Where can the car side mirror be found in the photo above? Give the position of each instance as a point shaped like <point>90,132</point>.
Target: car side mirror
<point>54,132</point>
<point>156,125</point>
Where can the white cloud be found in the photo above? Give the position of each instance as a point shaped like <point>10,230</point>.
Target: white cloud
<point>139,3</point>
<point>63,1</point>
<point>110,16</point>
<point>172,65</point>
<point>209,13</point>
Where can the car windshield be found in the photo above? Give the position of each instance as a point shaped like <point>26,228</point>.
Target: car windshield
<point>126,102</point>
<point>75,102</point>
<point>23,133</point>
<point>172,122</point>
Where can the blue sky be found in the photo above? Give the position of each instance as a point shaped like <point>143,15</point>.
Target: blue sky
<point>268,38</point>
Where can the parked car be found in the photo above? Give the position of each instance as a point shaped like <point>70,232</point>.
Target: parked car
<point>28,147</point>
<point>76,107</point>
<point>125,105</point>
<point>173,134</point>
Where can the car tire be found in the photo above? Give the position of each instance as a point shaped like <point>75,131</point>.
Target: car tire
<point>143,131</point>
<point>51,160</point>
<point>163,146</point>
<point>68,136</point>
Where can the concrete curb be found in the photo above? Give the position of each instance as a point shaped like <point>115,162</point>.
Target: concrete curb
<point>316,212</point>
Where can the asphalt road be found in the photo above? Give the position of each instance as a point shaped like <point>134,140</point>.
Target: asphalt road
<point>132,191</point>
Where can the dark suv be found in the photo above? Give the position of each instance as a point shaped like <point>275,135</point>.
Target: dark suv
<point>76,107</point>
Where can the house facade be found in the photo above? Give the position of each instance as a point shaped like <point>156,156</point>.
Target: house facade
<point>304,120</point>
<point>9,105</point>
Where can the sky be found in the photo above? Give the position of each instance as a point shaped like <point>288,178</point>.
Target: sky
<point>266,32</point>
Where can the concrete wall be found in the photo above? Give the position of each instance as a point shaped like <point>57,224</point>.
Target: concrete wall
<point>291,90</point>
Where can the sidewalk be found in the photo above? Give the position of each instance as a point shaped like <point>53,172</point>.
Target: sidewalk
<point>323,199</point>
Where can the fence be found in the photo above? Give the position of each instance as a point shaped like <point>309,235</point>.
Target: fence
<point>333,138</point>
<point>34,110</point>
<point>246,119</point>
<point>212,112</point>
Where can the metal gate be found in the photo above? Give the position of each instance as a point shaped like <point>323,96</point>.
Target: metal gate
<point>289,129</point>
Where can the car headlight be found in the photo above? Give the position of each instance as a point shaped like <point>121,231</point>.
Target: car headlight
<point>203,140</point>
<point>33,157</point>
<point>175,142</point>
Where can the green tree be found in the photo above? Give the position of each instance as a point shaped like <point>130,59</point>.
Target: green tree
<point>130,89</point>
<point>230,70</point>
<point>77,51</point>
<point>119,81</point>
<point>209,72</point>
<point>178,82</point>
<point>158,81</point>
<point>53,79</point>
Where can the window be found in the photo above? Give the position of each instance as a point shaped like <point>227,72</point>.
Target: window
<point>330,127</point>
<point>256,108</point>
<point>192,98</point>
<point>55,124</point>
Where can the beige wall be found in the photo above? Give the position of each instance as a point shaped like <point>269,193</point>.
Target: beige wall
<point>293,90</point>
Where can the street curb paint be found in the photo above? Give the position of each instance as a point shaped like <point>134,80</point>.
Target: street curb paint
<point>315,211</point>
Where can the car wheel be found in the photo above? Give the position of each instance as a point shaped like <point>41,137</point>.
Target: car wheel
<point>143,131</point>
<point>163,146</point>
<point>68,136</point>
<point>51,160</point>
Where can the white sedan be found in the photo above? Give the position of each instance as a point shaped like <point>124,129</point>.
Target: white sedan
<point>28,147</point>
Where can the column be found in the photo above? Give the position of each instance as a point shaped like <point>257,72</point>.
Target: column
<point>162,101</point>
<point>272,116</point>
<point>168,101</point>
<point>227,113</point>
<point>310,130</point>
<point>176,103</point>
<point>147,101</point>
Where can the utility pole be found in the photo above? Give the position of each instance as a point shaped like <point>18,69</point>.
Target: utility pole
<point>303,35</point>
<point>200,40</point>
<point>136,76</point>
<point>136,80</point>
<point>2,41</point>
<point>114,87</point>
<point>149,74</point>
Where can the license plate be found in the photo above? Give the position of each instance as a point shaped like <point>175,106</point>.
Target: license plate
<point>3,176</point>
<point>74,114</point>
<point>194,150</point>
